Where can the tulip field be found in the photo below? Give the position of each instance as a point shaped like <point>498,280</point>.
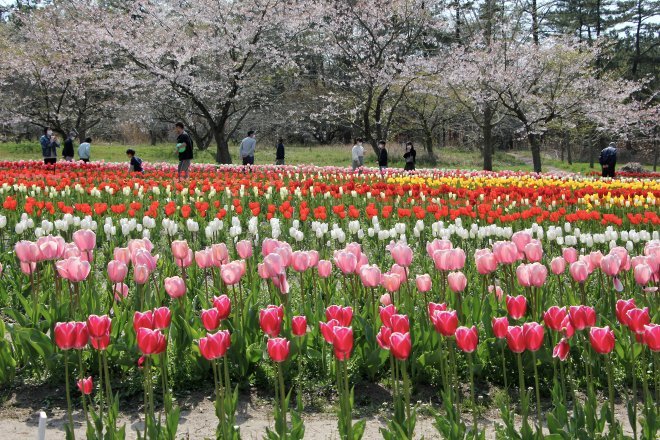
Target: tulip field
<point>531,296</point>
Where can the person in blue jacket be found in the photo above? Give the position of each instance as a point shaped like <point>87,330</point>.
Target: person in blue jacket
<point>608,160</point>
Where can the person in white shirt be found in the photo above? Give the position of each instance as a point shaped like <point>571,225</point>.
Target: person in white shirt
<point>357,154</point>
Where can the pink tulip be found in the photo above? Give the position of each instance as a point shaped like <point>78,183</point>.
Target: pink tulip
<point>401,271</point>
<point>401,254</point>
<point>50,247</point>
<point>385,299</point>
<point>28,268</point>
<point>610,265</point>
<point>437,245</point>
<point>300,261</point>
<point>71,250</point>
<point>457,281</point>
<point>579,271</point>
<point>313,258</point>
<point>506,252</point>
<point>449,259</point>
<point>595,258</point>
<point>117,271</point>
<point>570,255</point>
<point>345,261</point>
<point>185,262</point>
<point>423,282</point>
<point>499,293</point>
<point>486,262</point>
<point>285,251</point>
<point>281,283</point>
<point>220,254</point>
<point>85,239</point>
<point>558,265</point>
<point>27,252</point>
<point>522,273</point>
<point>643,274</point>
<point>534,251</point>
<point>73,269</point>
<point>180,249</point>
<point>143,257</point>
<point>521,239</point>
<point>370,275</point>
<point>175,287</point>
<point>204,259</point>
<point>623,255</point>
<point>244,249</point>
<point>324,268</point>
<point>121,291</point>
<point>141,274</point>
<point>123,255</point>
<point>391,282</point>
<point>268,246</point>
<point>538,273</point>
<point>231,273</point>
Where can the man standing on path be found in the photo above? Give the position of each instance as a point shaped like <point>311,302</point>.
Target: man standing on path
<point>608,160</point>
<point>184,147</point>
<point>49,146</point>
<point>279,152</point>
<point>248,146</point>
<point>357,154</point>
<point>382,157</point>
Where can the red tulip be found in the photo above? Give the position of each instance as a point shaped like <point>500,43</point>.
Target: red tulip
<point>516,306</point>
<point>326,329</point>
<point>151,341</point>
<point>400,345</point>
<point>582,317</point>
<point>561,350</point>
<point>344,315</point>
<point>652,336</point>
<point>278,349</point>
<point>98,326</point>
<point>270,320</point>
<point>342,342</point>
<point>299,325</point>
<point>637,319</point>
<point>515,339</point>
<point>500,327</point>
<point>143,320</point>
<point>467,339</point>
<point>399,324</point>
<point>622,307</point>
<point>445,322</point>
<point>602,339</point>
<point>86,385</point>
<point>383,337</point>
<point>223,304</point>
<point>162,318</point>
<point>175,287</point>
<point>215,345</point>
<point>533,333</point>
<point>386,315</point>
<point>554,317</point>
<point>210,319</point>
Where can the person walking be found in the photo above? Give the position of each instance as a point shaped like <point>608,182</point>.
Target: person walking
<point>247,149</point>
<point>382,156</point>
<point>184,147</point>
<point>67,151</point>
<point>135,164</point>
<point>279,152</point>
<point>85,150</point>
<point>357,154</point>
<point>607,160</point>
<point>49,146</point>
<point>410,156</point>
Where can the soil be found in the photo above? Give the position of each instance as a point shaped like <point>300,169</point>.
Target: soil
<point>19,415</point>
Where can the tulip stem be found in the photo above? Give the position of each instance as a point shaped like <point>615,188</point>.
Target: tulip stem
<point>68,393</point>
<point>283,426</point>
<point>82,376</point>
<point>106,374</point>
<point>538,391</point>
<point>610,390</point>
<point>474,401</point>
<point>347,398</point>
<point>634,384</point>
<point>521,386</point>
<point>506,384</point>
<point>101,409</point>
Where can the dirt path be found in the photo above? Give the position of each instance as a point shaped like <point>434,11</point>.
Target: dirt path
<point>527,160</point>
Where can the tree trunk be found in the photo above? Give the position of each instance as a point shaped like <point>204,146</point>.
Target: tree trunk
<point>488,138</point>
<point>569,154</point>
<point>535,23</point>
<point>428,146</point>
<point>535,146</point>
<point>457,4</point>
<point>222,147</point>
<point>637,37</point>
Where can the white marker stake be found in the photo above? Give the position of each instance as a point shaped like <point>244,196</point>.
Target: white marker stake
<point>42,426</point>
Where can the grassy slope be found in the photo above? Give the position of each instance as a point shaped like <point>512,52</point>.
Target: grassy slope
<point>336,155</point>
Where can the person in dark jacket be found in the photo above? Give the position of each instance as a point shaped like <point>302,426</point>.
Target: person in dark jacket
<point>410,156</point>
<point>608,160</point>
<point>382,156</point>
<point>49,146</point>
<point>184,147</point>
<point>67,151</point>
<point>279,152</point>
<point>135,164</point>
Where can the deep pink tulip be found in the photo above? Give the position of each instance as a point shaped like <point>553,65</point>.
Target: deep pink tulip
<point>445,322</point>
<point>215,345</point>
<point>143,320</point>
<point>151,341</point>
<point>383,337</point>
<point>500,327</point>
<point>533,332</point>
<point>223,304</point>
<point>162,318</point>
<point>467,339</point>
<point>652,337</point>
<point>622,307</point>
<point>278,349</point>
<point>342,341</point>
<point>637,319</point>
<point>433,307</point>
<point>270,320</point>
<point>582,317</point>
<point>210,319</point>
<point>386,314</point>
<point>299,325</point>
<point>602,339</point>
<point>86,385</point>
<point>98,326</point>
<point>561,350</point>
<point>326,329</point>
<point>515,339</point>
<point>516,306</point>
<point>343,315</point>
<point>400,345</point>
<point>554,317</point>
<point>399,323</point>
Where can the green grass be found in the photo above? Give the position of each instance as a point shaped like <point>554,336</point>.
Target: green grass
<point>335,155</point>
